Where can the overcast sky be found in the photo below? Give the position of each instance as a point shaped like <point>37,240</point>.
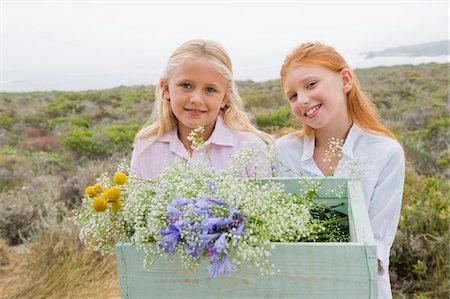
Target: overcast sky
<point>128,42</point>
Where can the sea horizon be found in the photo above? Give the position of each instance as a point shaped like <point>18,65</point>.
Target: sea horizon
<point>84,80</point>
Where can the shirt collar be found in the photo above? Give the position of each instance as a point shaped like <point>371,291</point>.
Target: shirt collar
<point>308,147</point>
<point>350,142</point>
<point>347,149</point>
<point>222,135</point>
<point>175,144</point>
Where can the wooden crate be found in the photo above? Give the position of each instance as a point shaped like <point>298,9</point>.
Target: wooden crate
<point>306,270</point>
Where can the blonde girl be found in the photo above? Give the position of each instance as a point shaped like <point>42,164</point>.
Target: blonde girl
<point>196,89</point>
<point>326,99</point>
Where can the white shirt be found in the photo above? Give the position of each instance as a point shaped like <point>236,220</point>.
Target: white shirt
<point>382,182</point>
<point>149,159</point>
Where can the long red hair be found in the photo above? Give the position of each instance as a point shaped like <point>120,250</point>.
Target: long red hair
<point>359,107</point>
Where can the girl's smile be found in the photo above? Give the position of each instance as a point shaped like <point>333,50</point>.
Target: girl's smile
<point>195,112</point>
<point>311,112</point>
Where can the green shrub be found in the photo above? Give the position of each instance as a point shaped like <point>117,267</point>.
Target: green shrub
<point>82,121</point>
<point>419,257</point>
<point>55,109</point>
<point>36,120</point>
<point>267,101</point>
<point>6,122</point>
<point>273,121</point>
<point>121,136</point>
<point>48,162</point>
<point>56,121</point>
<point>83,142</point>
<point>14,171</point>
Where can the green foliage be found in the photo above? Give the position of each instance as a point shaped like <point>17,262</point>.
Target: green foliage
<point>85,143</point>
<point>82,121</point>
<point>6,122</point>
<point>427,147</point>
<point>14,170</point>
<point>54,109</point>
<point>50,163</point>
<point>274,121</point>
<point>263,101</point>
<point>121,136</point>
<point>419,257</point>
<point>36,120</point>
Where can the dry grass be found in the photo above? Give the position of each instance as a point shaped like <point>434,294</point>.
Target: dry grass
<point>56,265</point>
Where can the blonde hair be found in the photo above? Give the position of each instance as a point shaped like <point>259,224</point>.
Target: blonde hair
<point>359,107</point>
<point>163,119</point>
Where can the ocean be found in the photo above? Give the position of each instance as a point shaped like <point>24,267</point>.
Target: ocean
<point>27,81</point>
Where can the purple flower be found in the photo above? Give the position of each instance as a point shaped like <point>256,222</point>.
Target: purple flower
<point>232,212</point>
<point>212,252</point>
<point>202,204</point>
<point>171,237</point>
<point>218,246</point>
<point>173,214</point>
<point>220,243</point>
<point>222,267</point>
<point>181,202</point>
<point>215,201</point>
<point>210,224</point>
<point>240,229</point>
<point>206,238</point>
<point>193,248</point>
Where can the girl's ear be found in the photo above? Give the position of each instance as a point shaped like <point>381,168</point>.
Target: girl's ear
<point>165,89</point>
<point>347,80</point>
<point>225,101</point>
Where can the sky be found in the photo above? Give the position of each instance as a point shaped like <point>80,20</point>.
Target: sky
<point>79,45</point>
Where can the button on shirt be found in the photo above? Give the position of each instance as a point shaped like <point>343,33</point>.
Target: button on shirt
<point>149,159</point>
<point>382,180</point>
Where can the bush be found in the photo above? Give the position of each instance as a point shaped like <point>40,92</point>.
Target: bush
<point>273,121</point>
<point>14,171</point>
<point>121,136</point>
<point>55,109</point>
<point>419,257</point>
<point>84,143</point>
<point>49,163</point>
<point>6,122</point>
<point>17,218</point>
<point>82,121</point>
<point>24,207</point>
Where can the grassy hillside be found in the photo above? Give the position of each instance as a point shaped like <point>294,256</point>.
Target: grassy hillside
<point>53,144</point>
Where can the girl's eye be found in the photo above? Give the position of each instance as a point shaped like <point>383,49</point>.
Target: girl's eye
<point>311,85</point>
<point>293,97</point>
<point>210,90</point>
<point>186,85</point>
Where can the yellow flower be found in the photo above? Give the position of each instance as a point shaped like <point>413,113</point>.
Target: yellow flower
<point>112,194</point>
<point>90,191</point>
<point>116,205</point>
<point>99,204</point>
<point>120,178</point>
<point>98,188</point>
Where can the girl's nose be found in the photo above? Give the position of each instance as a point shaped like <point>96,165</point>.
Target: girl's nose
<point>303,100</point>
<point>196,96</point>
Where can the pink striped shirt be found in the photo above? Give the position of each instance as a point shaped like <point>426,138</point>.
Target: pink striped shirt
<point>148,161</point>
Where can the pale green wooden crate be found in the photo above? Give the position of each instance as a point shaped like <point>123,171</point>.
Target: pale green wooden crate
<point>306,270</point>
